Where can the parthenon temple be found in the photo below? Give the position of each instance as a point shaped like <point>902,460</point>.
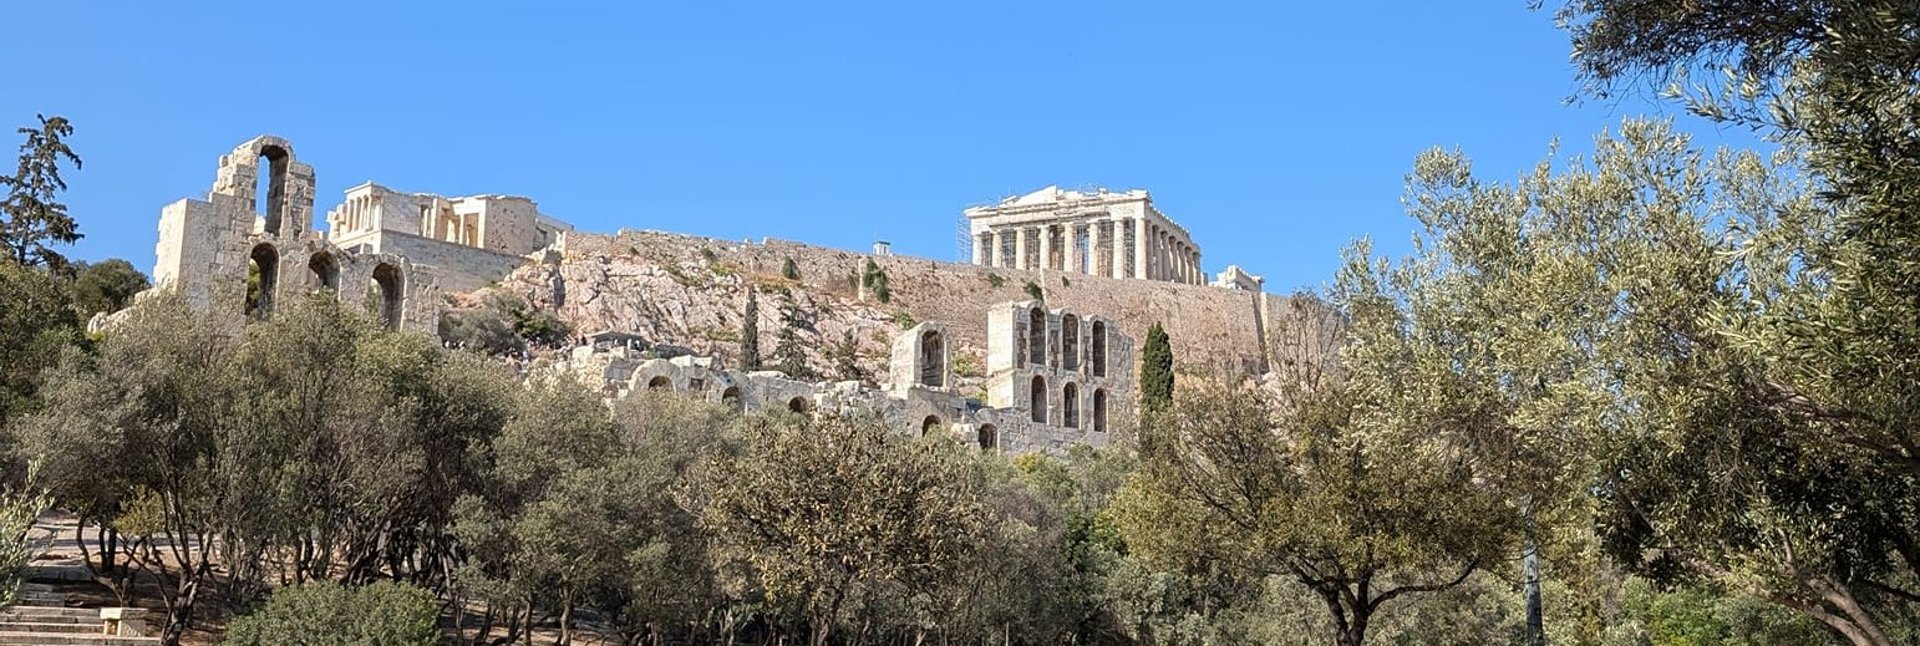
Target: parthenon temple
<point>1105,233</point>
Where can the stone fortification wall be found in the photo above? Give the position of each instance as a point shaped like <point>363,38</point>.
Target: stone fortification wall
<point>460,268</point>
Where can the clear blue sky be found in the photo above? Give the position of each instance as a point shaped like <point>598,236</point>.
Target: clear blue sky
<point>1275,132</point>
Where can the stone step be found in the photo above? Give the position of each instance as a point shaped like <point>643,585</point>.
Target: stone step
<point>49,627</point>
<point>72,639</point>
<point>50,615</point>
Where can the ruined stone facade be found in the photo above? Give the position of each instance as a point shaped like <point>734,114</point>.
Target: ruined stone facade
<point>1057,379</point>
<point>207,247</point>
<point>471,240</point>
<point>1103,233</point>
<point>396,252</point>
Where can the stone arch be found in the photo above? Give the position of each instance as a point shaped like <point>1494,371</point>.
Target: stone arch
<point>388,287</point>
<point>1037,399</point>
<point>326,270</point>
<point>932,424</point>
<point>1098,346</point>
<point>273,204</point>
<point>731,398</point>
<point>933,359</point>
<point>799,405</point>
<point>1037,336</point>
<point>265,260</point>
<point>988,436</point>
<point>1099,410</point>
<point>1069,342</point>
<point>660,382</point>
<point>1070,405</point>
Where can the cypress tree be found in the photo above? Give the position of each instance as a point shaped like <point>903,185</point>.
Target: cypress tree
<point>1156,371</point>
<point>750,334</point>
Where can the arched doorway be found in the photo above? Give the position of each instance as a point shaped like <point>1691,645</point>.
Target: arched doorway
<point>660,383</point>
<point>1069,342</point>
<point>1037,336</point>
<point>387,289</point>
<point>271,194</point>
<point>731,399</point>
<point>1037,399</point>
<point>263,268</point>
<point>1070,405</point>
<point>989,437</point>
<point>931,425</point>
<point>799,405</point>
<point>326,270</point>
<point>933,360</point>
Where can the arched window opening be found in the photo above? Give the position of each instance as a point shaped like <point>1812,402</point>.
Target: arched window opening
<point>933,360</point>
<point>1037,336</point>
<point>271,194</point>
<point>1070,342</point>
<point>1038,400</point>
<point>931,425</point>
<point>731,398</point>
<point>263,278</point>
<point>1099,343</point>
<point>1070,405</point>
<point>989,437</point>
<point>1099,410</point>
<point>799,405</point>
<point>385,291</point>
<point>660,383</point>
<point>326,270</point>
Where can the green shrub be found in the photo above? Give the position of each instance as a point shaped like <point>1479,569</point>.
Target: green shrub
<point>707,253</point>
<point>789,270</point>
<point>1035,292</point>
<point>324,614</point>
<point>995,280</point>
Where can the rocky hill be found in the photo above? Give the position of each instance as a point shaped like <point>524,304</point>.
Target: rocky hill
<point>691,292</point>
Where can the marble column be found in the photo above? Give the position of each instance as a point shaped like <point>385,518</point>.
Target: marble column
<point>1119,249</point>
<point>1019,248</point>
<point>1071,250</point>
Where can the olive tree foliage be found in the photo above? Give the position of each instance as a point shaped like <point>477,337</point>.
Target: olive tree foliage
<point>19,506</point>
<point>317,446</point>
<point>1323,488</point>
<point>1667,285</point>
<point>578,516</point>
<point>831,520</point>
<point>1841,80</point>
<point>132,438</point>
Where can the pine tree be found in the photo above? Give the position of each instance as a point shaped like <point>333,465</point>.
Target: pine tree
<point>789,270</point>
<point>30,218</point>
<point>1156,371</point>
<point>846,359</point>
<point>750,334</point>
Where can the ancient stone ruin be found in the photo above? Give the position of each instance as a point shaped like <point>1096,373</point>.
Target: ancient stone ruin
<point>1101,234</point>
<point>1053,375</point>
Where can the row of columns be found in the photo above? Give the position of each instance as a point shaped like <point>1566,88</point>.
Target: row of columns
<point>359,213</point>
<point>1134,248</point>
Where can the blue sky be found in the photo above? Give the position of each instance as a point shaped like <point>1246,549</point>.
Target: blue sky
<point>1275,132</point>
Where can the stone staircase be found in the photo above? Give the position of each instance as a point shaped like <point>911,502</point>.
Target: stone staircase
<point>43,619</point>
